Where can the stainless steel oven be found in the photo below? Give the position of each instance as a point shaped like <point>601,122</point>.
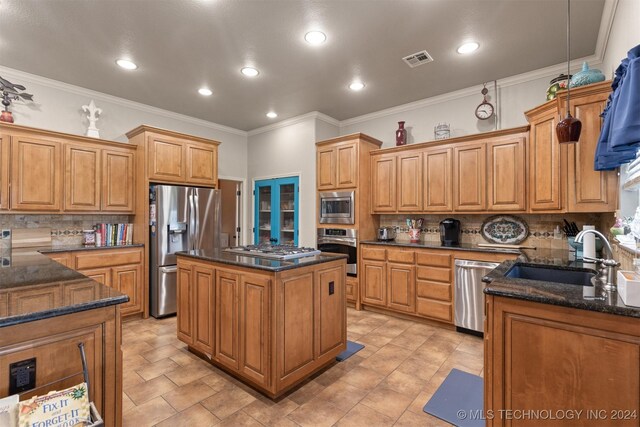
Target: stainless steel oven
<point>337,207</point>
<point>341,241</point>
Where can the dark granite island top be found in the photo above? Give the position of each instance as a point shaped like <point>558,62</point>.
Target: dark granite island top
<point>63,290</point>
<point>592,298</point>
<point>273,265</point>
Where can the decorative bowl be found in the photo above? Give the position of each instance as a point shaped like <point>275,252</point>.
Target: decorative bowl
<point>586,77</point>
<point>578,246</point>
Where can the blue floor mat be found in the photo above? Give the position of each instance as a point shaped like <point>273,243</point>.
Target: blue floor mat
<point>459,400</point>
<point>352,348</point>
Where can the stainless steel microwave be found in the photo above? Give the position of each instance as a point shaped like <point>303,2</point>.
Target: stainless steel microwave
<point>337,207</point>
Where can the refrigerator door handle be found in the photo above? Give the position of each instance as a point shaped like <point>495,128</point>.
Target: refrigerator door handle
<point>196,220</point>
<point>171,269</point>
<point>192,223</point>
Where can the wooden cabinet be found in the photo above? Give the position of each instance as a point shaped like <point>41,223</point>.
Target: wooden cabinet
<point>337,166</point>
<point>401,285</point>
<point>255,324</point>
<point>203,303</point>
<point>410,182</point>
<point>589,190</point>
<point>351,289</point>
<point>227,314</point>
<point>5,149</point>
<point>119,268</point>
<point>166,159</point>
<point>374,280</point>
<point>437,173</point>
<point>82,178</point>
<point>548,358</point>
<point>185,308</point>
<point>36,170</point>
<point>506,174</point>
<point>383,177</point>
<point>118,180</point>
<point>545,191</point>
<point>202,163</point>
<point>434,285</point>
<point>469,177</point>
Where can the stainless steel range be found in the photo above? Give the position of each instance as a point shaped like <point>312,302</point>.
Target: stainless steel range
<point>273,251</point>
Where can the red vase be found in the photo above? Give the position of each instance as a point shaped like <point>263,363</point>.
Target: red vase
<point>401,134</point>
<point>6,117</point>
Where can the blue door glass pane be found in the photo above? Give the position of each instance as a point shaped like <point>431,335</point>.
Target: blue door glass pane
<point>276,211</point>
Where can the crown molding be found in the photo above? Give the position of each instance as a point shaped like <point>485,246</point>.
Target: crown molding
<point>293,120</point>
<point>606,24</point>
<point>13,73</point>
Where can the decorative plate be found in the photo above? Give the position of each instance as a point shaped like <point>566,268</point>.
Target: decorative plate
<point>505,229</point>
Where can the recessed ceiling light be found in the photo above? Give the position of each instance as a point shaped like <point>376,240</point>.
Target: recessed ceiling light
<point>468,47</point>
<point>249,71</point>
<point>356,86</point>
<point>272,115</point>
<point>126,64</point>
<point>315,37</point>
<point>204,91</point>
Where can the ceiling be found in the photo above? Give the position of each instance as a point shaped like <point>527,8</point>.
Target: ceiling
<point>182,45</point>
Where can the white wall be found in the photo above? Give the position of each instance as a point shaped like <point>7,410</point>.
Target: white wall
<point>57,106</point>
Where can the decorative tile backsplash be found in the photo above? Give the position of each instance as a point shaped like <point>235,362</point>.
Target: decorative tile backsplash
<point>65,229</point>
<point>541,227</point>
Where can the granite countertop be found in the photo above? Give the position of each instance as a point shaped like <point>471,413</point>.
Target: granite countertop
<point>28,271</point>
<point>259,263</point>
<point>76,248</point>
<point>435,245</point>
<point>592,298</point>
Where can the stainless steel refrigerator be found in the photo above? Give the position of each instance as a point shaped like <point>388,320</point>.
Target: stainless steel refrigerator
<point>181,219</point>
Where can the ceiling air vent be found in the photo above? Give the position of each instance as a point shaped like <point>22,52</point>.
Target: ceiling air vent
<point>418,58</point>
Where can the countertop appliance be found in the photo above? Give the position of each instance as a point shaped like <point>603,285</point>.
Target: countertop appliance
<point>181,219</point>
<point>341,241</point>
<point>450,232</point>
<point>468,295</point>
<point>337,207</point>
<point>386,234</point>
<point>273,251</point>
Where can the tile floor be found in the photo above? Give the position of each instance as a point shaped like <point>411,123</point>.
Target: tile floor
<point>385,384</point>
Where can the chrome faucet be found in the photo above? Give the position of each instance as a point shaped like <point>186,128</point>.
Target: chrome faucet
<point>609,264</point>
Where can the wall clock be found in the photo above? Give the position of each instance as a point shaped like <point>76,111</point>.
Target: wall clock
<point>485,110</point>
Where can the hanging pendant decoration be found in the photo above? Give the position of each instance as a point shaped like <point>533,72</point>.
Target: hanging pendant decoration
<point>568,130</point>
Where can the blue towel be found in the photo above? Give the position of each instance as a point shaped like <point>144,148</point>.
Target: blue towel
<point>620,136</point>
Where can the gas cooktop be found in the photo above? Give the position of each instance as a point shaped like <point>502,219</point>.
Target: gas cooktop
<point>273,251</point>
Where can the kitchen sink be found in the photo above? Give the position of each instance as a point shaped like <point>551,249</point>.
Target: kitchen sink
<point>568,276</point>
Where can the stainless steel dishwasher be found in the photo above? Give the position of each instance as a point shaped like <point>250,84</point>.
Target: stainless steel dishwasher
<point>468,295</point>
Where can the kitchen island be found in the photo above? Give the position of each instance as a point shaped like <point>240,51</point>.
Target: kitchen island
<point>46,310</point>
<point>566,349</point>
<point>271,323</point>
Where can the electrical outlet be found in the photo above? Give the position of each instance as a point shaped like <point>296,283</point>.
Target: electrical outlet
<point>331,288</point>
<point>22,376</point>
<point>6,234</point>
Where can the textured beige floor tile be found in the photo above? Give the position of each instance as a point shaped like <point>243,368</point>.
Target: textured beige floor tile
<point>472,345</point>
<point>148,414</point>
<point>387,402</point>
<point>306,392</point>
<point>188,395</point>
<point>127,403</point>
<point>407,384</point>
<point>189,373</point>
<point>351,362</point>
<point>193,416</point>
<point>408,340</point>
<point>450,335</point>
<point>155,369</point>
<point>227,402</point>
<point>331,375</point>
<point>216,381</point>
<point>283,422</point>
<point>368,350</point>
<point>361,328</point>
<point>411,419</point>
<point>362,415</point>
<point>374,339</point>
<point>317,413</point>
<point>148,390</point>
<point>239,419</point>
<point>343,395</point>
<point>132,362</point>
<point>130,379</point>
<point>160,353</point>
<point>363,378</point>
<point>420,329</point>
<point>135,348</point>
<point>384,363</point>
<point>419,368</point>
<point>268,412</point>
<point>390,329</point>
<point>184,357</point>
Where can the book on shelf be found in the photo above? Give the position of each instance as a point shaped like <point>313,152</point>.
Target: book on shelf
<point>114,234</point>
<point>68,407</point>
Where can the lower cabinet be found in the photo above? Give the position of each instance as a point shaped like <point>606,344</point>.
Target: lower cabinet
<point>119,268</point>
<point>271,329</point>
<point>401,280</point>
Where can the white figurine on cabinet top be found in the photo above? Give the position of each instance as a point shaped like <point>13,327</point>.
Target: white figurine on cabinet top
<point>93,118</point>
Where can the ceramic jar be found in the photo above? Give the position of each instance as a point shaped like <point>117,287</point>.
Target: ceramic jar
<point>401,134</point>
<point>586,77</point>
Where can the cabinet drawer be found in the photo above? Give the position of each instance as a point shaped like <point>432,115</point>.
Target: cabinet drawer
<point>434,273</point>
<point>434,309</point>
<point>435,259</point>
<point>377,254</point>
<point>396,255</point>
<point>435,290</point>
<point>107,258</point>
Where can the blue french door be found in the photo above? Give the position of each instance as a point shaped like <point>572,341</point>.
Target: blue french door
<point>276,211</point>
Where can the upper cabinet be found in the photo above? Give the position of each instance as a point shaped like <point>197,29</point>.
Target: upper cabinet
<point>174,157</point>
<point>44,171</point>
<point>437,176</point>
<point>337,165</point>
<point>383,179</point>
<point>506,180</point>
<point>409,182</point>
<point>469,177</point>
<point>562,176</point>
<point>36,169</point>
<point>5,149</point>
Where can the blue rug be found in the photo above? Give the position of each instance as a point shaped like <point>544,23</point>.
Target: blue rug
<point>459,400</point>
<point>352,348</point>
